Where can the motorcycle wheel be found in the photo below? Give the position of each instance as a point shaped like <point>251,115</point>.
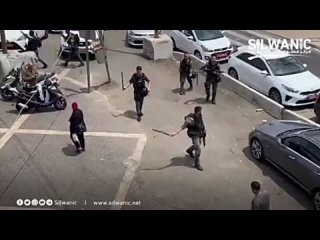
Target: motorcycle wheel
<point>19,108</point>
<point>7,95</point>
<point>60,104</point>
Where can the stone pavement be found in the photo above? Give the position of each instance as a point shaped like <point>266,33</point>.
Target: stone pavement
<point>166,178</point>
<point>314,35</point>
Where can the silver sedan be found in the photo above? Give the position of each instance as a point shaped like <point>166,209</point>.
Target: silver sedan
<point>294,148</point>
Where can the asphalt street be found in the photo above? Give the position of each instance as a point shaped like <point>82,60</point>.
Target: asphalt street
<point>127,161</point>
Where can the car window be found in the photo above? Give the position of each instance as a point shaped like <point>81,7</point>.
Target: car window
<point>303,147</point>
<point>259,64</point>
<point>285,66</point>
<point>187,32</point>
<point>206,35</point>
<point>244,56</point>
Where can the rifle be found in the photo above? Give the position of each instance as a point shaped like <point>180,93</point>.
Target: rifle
<point>160,131</point>
<point>203,137</point>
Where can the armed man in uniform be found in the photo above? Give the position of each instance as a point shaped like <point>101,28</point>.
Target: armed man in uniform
<point>197,133</point>
<point>213,71</point>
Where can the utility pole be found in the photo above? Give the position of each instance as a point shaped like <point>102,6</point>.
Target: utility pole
<point>87,60</point>
<point>102,42</point>
<point>3,41</point>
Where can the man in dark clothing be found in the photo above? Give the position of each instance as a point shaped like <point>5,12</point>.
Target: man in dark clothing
<point>33,44</point>
<point>261,200</point>
<point>196,131</point>
<point>213,71</point>
<point>73,41</point>
<point>185,73</point>
<point>77,128</point>
<point>138,80</point>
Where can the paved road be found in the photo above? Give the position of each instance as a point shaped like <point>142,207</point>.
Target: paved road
<point>40,164</point>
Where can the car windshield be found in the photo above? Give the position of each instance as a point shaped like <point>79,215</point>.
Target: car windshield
<point>205,35</point>
<point>285,66</point>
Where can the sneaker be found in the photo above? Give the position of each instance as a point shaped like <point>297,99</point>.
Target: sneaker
<point>199,167</point>
<point>190,153</point>
<point>213,102</point>
<point>207,99</point>
<point>79,150</point>
<point>139,118</point>
<point>83,149</point>
<point>81,65</point>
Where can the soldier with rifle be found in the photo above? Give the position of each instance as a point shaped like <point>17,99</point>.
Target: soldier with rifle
<point>197,132</point>
<point>213,71</point>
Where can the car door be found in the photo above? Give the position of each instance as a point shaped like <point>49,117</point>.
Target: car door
<point>242,66</point>
<point>259,75</point>
<point>293,158</point>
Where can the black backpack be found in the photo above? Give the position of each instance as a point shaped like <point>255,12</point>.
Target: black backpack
<point>140,85</point>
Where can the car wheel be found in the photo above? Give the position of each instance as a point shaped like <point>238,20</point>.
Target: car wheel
<point>316,199</point>
<point>275,95</point>
<point>174,44</point>
<point>198,55</point>
<point>233,73</point>
<point>60,104</point>
<point>7,95</point>
<point>256,149</point>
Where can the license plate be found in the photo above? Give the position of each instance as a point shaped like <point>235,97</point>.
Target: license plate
<point>312,97</point>
<point>221,55</point>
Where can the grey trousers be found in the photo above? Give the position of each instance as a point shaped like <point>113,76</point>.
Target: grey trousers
<point>195,147</point>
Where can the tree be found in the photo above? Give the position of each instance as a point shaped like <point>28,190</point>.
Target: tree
<point>3,41</point>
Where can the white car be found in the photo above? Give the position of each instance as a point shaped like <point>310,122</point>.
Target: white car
<point>276,74</point>
<point>202,43</point>
<point>82,43</point>
<point>16,40</point>
<point>135,37</point>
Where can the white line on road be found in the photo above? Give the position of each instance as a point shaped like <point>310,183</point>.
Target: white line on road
<point>132,163</point>
<point>90,134</point>
<point>3,130</point>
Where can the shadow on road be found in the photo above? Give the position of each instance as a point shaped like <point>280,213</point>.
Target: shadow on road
<point>282,181</point>
<point>129,114</point>
<point>125,52</point>
<point>176,90</point>
<point>315,119</point>
<point>185,161</point>
<point>70,151</point>
<point>196,101</point>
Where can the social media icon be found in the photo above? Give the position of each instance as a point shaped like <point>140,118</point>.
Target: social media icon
<point>19,202</point>
<point>42,202</point>
<point>34,202</point>
<point>49,202</point>
<point>27,202</point>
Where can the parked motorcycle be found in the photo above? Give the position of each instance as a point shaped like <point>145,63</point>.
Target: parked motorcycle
<point>10,81</point>
<point>27,99</point>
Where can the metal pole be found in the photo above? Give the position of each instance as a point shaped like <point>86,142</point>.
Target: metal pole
<point>87,60</point>
<point>3,41</point>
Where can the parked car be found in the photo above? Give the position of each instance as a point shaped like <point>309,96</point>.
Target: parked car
<point>17,41</point>
<point>294,148</point>
<point>82,44</point>
<point>276,74</point>
<point>202,43</point>
<point>135,37</point>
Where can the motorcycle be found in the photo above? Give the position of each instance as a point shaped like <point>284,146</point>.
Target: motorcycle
<point>10,81</point>
<point>27,99</point>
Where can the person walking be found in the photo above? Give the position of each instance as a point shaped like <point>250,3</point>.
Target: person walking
<point>185,73</point>
<point>77,128</point>
<point>196,132</point>
<point>34,43</point>
<point>138,80</point>
<point>73,41</point>
<point>261,199</point>
<point>212,68</point>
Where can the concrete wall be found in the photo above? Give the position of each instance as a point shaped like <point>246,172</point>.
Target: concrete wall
<point>274,109</point>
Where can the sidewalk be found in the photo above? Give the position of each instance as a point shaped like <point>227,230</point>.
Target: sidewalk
<point>314,35</point>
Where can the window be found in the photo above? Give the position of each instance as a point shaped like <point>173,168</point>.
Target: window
<point>187,32</point>
<point>304,148</point>
<point>244,56</point>
<point>258,63</point>
<point>285,66</point>
<point>205,35</point>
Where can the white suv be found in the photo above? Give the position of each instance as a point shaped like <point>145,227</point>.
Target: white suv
<point>276,74</point>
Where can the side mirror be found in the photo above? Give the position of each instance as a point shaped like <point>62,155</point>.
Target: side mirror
<point>304,65</point>
<point>264,73</point>
<point>191,38</point>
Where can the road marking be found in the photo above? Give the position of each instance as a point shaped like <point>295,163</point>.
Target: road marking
<point>10,132</point>
<point>3,130</point>
<point>90,134</point>
<point>132,163</point>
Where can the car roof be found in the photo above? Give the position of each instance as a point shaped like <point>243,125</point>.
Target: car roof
<point>266,54</point>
